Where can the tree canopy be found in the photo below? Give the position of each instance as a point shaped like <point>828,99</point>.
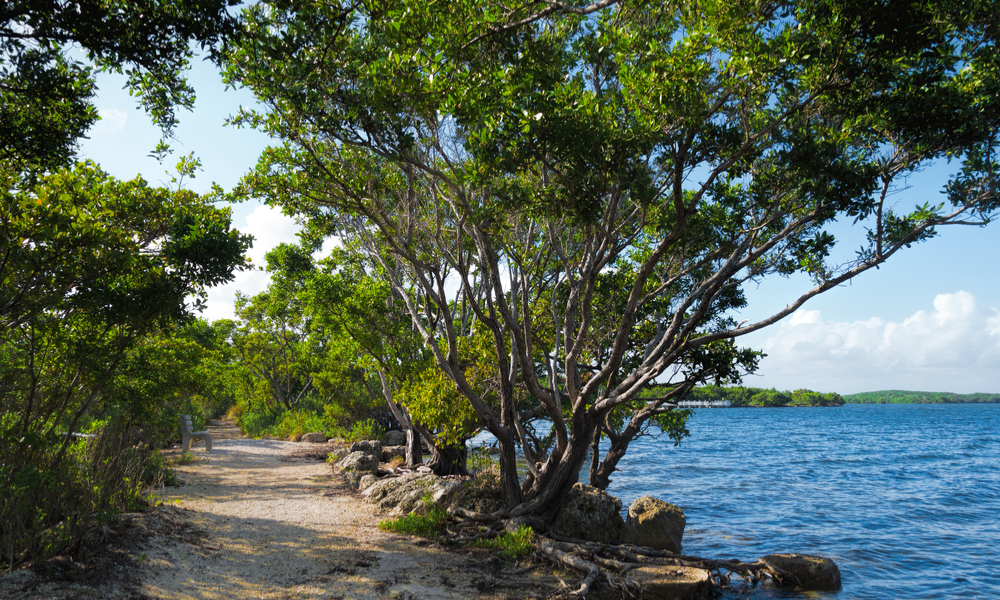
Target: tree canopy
<point>99,277</point>
<point>593,185</point>
<point>46,87</point>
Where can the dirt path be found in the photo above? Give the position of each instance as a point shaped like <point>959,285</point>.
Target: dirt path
<point>252,520</point>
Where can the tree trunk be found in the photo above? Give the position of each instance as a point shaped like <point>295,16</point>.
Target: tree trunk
<point>449,460</point>
<point>600,477</point>
<point>595,456</point>
<point>414,450</point>
<point>551,490</point>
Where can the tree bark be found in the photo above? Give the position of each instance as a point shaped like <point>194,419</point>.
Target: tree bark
<point>449,460</point>
<point>414,449</point>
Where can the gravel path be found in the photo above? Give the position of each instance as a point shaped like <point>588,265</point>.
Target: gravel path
<point>254,521</point>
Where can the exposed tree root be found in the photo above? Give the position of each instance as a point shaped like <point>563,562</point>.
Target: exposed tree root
<point>594,559</point>
<point>607,564</point>
<point>464,514</point>
<point>558,556</point>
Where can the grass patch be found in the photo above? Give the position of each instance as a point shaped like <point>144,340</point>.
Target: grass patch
<point>511,546</point>
<point>189,458</point>
<point>429,524</point>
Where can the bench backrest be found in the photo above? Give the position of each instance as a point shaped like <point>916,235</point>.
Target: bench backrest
<point>186,423</point>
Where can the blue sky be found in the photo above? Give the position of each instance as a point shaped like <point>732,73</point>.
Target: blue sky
<point>927,320</point>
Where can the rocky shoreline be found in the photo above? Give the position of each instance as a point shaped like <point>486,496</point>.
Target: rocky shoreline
<point>267,519</point>
<point>589,522</point>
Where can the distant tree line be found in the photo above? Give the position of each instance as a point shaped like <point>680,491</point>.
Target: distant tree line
<point>741,396</point>
<point>905,397</point>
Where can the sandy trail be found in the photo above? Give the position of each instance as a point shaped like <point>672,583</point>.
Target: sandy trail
<point>252,521</point>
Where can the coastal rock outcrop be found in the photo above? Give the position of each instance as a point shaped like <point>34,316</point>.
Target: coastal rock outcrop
<point>405,494</point>
<point>373,447</point>
<point>394,438</point>
<point>667,582</point>
<point>656,524</point>
<point>356,465</point>
<point>313,438</point>
<point>813,572</point>
<point>590,514</point>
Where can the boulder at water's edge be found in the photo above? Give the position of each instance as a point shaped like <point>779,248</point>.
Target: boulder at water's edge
<point>590,514</point>
<point>813,572</point>
<point>391,452</point>
<point>358,464</point>
<point>655,524</point>
<point>665,582</point>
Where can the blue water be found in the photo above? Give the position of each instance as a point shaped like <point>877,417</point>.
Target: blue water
<point>904,498</point>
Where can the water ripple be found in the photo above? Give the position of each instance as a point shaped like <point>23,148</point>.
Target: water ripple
<point>903,497</point>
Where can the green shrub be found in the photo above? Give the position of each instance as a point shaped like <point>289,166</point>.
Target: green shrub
<point>512,545</point>
<point>293,424</point>
<point>47,504</point>
<point>364,430</point>
<point>426,525</point>
<point>480,459</point>
<point>158,472</point>
<point>256,419</point>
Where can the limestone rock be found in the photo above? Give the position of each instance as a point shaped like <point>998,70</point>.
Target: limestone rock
<point>366,481</point>
<point>590,514</point>
<point>372,447</point>
<point>394,438</point>
<point>403,495</point>
<point>656,524</point>
<point>314,438</point>
<point>391,452</point>
<point>356,465</point>
<point>814,572</point>
<point>663,582</point>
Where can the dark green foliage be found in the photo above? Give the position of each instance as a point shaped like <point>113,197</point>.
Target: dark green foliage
<point>741,396</point>
<point>46,94</point>
<point>905,397</point>
<point>47,506</point>
<point>95,278</point>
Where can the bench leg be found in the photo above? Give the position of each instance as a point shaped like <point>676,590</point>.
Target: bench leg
<point>185,443</point>
<point>208,443</point>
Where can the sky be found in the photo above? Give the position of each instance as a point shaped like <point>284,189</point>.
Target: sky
<point>928,320</point>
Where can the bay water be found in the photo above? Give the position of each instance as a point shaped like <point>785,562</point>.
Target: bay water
<point>904,498</point>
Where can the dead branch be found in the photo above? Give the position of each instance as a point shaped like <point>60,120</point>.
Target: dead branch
<point>622,558</point>
<point>470,515</point>
<point>554,554</point>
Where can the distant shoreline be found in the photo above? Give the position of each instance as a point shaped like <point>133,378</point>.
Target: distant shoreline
<point>715,396</point>
<point>912,397</point>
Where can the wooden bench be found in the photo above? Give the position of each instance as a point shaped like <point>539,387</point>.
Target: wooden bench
<point>187,435</point>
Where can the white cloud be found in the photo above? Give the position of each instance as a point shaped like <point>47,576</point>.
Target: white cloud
<point>955,347</point>
<point>112,120</point>
<point>269,228</point>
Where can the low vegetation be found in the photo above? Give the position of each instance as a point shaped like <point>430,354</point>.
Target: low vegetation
<point>430,523</point>
<point>741,396</point>
<point>512,545</point>
<point>905,397</point>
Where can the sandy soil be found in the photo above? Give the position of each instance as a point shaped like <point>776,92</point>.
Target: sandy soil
<point>267,519</point>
